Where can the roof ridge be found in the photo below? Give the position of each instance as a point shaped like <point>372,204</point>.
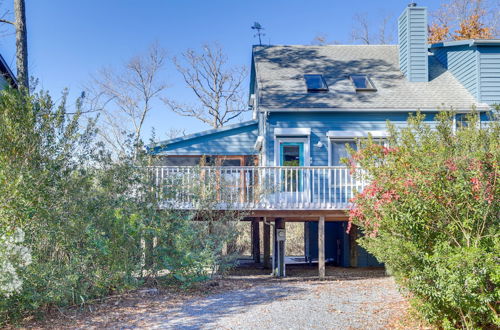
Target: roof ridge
<point>343,45</point>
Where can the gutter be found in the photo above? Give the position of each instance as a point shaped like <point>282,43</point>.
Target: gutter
<point>480,106</point>
<point>470,43</point>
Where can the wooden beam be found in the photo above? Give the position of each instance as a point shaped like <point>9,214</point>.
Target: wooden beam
<point>288,215</point>
<point>256,241</point>
<point>296,214</point>
<point>321,247</point>
<point>267,245</point>
<point>315,219</point>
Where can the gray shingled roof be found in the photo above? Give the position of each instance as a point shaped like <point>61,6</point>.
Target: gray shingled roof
<point>280,70</point>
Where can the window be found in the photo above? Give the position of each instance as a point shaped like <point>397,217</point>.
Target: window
<point>339,150</point>
<point>315,83</point>
<point>362,82</point>
<point>461,120</point>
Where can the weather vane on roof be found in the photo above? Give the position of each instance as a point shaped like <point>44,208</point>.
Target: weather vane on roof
<point>258,27</point>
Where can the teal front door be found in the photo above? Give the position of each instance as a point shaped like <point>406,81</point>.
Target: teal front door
<point>291,155</point>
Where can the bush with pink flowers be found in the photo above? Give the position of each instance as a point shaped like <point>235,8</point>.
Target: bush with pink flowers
<point>432,215</point>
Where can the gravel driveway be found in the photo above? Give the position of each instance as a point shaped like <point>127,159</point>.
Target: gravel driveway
<point>348,299</point>
<point>343,304</point>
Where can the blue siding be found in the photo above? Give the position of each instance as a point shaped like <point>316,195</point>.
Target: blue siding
<point>476,68</point>
<point>322,122</point>
<point>337,248</point>
<point>413,54</point>
<point>461,61</point>
<point>403,42</point>
<point>237,141</point>
<point>365,259</point>
<point>336,243</point>
<point>489,74</point>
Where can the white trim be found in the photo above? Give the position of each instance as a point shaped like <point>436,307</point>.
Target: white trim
<point>329,152</point>
<point>351,135</point>
<point>292,131</point>
<point>258,143</point>
<point>356,134</point>
<point>479,106</point>
<point>277,142</point>
<point>330,146</point>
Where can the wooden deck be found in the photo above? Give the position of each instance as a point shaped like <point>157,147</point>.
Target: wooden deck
<point>263,191</point>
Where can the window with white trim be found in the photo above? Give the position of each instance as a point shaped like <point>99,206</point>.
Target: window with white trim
<point>339,150</point>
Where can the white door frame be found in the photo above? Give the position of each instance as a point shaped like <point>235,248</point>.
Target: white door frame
<point>277,150</point>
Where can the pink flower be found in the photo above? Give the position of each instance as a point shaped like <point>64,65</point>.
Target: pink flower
<point>409,183</point>
<point>450,164</point>
<point>388,150</point>
<point>476,184</point>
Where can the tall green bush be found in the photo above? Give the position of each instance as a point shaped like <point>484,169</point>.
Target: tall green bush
<point>91,221</point>
<point>432,214</point>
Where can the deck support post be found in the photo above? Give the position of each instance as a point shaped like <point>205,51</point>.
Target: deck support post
<point>267,244</point>
<point>279,248</point>
<point>353,246</point>
<point>321,247</point>
<point>256,240</point>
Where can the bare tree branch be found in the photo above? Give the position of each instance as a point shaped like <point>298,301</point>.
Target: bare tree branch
<point>124,97</point>
<point>7,21</point>
<point>362,30</point>
<point>217,87</point>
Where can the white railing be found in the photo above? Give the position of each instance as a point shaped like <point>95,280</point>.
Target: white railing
<point>256,187</point>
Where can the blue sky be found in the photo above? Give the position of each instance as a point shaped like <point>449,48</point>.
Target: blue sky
<point>70,40</point>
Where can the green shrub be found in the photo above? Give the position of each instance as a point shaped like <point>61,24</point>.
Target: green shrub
<point>432,215</point>
<point>91,221</point>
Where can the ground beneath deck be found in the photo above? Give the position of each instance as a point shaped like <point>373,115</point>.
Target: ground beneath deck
<point>250,299</point>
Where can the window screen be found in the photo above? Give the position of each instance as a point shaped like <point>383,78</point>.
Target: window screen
<point>339,150</point>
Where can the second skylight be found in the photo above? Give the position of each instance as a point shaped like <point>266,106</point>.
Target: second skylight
<point>362,82</point>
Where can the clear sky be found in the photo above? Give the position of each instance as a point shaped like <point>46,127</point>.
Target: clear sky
<point>69,40</point>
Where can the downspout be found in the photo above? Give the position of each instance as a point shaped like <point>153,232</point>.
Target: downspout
<point>265,115</point>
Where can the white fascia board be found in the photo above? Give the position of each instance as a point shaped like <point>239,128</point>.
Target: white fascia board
<point>356,134</point>
<point>258,143</point>
<point>479,106</point>
<point>296,131</point>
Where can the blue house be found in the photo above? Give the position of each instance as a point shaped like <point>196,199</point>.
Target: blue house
<point>308,103</point>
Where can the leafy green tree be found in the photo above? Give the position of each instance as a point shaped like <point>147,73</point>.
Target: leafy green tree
<point>432,214</point>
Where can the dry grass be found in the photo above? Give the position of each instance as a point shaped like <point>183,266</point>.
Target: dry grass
<point>294,239</point>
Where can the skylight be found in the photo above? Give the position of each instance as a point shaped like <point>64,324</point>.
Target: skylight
<point>362,82</point>
<point>315,83</point>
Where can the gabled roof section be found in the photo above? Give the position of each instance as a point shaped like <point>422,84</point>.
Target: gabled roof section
<point>227,140</point>
<point>7,73</point>
<point>280,70</point>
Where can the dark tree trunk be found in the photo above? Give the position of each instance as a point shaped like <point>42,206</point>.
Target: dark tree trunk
<point>21,44</point>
